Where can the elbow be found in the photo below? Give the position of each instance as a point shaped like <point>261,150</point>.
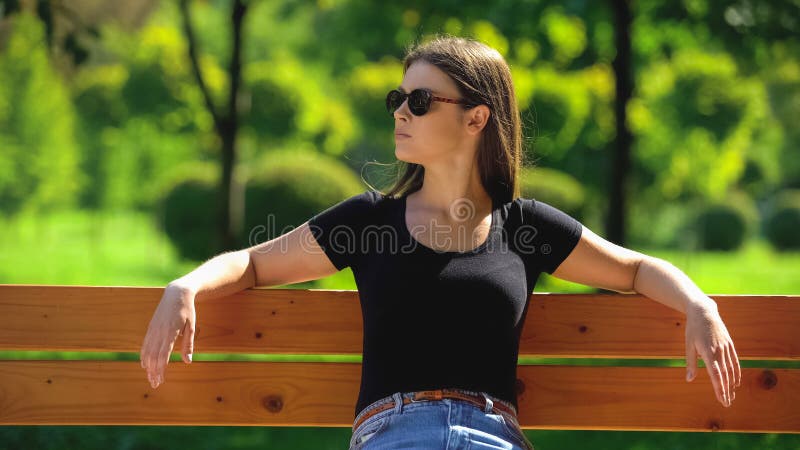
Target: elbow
<point>645,263</point>
<point>251,274</point>
<point>638,268</point>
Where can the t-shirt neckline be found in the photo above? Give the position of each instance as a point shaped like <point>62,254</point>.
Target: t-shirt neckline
<point>478,249</point>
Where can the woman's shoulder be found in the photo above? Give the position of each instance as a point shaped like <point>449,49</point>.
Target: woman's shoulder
<point>365,204</point>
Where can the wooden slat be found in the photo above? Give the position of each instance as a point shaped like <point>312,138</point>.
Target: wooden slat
<point>293,321</point>
<point>763,327</point>
<point>324,395</point>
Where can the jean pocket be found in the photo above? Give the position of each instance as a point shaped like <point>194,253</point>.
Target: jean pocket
<point>368,430</point>
<point>513,430</point>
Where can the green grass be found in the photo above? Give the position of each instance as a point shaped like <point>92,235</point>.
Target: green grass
<point>754,269</point>
<point>86,248</point>
<point>128,249</point>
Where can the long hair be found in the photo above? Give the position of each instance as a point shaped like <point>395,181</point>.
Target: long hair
<point>482,77</point>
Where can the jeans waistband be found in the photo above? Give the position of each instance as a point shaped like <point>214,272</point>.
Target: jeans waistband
<point>410,394</point>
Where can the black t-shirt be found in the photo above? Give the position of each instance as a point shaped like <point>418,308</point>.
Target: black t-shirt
<point>435,319</point>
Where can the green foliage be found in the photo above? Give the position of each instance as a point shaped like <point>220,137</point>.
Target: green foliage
<point>710,112</point>
<point>188,210</point>
<point>695,120</point>
<point>141,117</point>
<point>724,225</point>
<point>40,159</point>
<point>291,101</point>
<point>553,187</point>
<point>286,188</point>
<point>782,226</point>
<point>669,226</point>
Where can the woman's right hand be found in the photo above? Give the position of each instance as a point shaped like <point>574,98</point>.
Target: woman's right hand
<point>175,316</point>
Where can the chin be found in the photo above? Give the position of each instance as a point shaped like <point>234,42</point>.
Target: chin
<point>403,155</point>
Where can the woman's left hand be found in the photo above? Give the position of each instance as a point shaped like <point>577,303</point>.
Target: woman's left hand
<point>707,335</point>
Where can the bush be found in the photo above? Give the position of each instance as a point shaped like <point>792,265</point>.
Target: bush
<point>783,221</point>
<point>553,187</point>
<point>658,224</point>
<point>724,225</point>
<point>287,188</point>
<point>187,210</point>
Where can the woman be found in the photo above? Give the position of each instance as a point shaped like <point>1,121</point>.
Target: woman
<point>444,263</point>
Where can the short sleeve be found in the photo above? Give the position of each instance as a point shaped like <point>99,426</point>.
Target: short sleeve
<point>547,235</point>
<point>338,229</point>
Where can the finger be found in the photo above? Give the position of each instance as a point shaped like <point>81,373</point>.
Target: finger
<point>166,360</point>
<point>691,360</point>
<point>732,380</point>
<point>188,342</point>
<point>151,357</point>
<point>726,375</point>
<point>737,365</point>
<point>143,351</point>
<point>158,371</point>
<point>716,377</point>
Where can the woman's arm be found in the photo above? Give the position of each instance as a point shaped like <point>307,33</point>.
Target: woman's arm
<point>289,258</point>
<point>222,275</point>
<point>597,262</point>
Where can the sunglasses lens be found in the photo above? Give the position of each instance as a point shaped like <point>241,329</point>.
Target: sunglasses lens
<point>394,99</point>
<point>419,101</point>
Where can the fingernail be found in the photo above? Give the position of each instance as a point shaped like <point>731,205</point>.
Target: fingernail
<point>190,357</point>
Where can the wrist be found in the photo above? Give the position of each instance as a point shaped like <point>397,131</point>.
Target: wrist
<point>704,303</point>
<point>185,289</point>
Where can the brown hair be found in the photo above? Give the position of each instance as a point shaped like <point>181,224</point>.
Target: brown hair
<point>482,77</point>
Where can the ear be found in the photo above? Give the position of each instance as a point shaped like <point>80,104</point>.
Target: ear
<point>477,118</point>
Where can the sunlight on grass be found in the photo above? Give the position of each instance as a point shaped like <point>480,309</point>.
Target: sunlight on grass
<point>88,248</point>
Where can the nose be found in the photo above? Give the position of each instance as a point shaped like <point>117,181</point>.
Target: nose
<point>400,112</point>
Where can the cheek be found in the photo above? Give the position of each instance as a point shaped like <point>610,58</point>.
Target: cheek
<point>439,133</point>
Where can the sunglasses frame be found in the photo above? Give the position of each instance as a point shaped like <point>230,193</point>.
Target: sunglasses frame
<point>427,107</point>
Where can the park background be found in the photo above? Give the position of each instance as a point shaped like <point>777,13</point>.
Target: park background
<point>135,144</point>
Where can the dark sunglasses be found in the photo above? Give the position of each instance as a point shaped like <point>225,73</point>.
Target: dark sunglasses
<point>419,101</point>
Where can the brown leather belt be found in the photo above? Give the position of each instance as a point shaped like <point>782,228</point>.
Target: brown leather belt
<point>437,394</point>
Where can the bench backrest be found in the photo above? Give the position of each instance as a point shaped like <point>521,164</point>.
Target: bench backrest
<point>604,328</point>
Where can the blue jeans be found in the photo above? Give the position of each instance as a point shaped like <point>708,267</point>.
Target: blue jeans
<point>445,424</point>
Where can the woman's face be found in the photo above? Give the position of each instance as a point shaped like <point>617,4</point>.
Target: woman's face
<point>439,134</point>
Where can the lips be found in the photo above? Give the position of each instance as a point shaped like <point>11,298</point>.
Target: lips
<point>399,135</point>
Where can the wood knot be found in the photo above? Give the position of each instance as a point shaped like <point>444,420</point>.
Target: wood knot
<point>583,328</point>
<point>768,379</point>
<point>219,398</point>
<point>714,425</point>
<point>273,403</point>
<point>146,396</point>
<point>258,335</point>
<point>49,381</point>
<point>519,386</point>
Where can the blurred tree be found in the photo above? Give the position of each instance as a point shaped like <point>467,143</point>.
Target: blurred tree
<point>623,74</point>
<point>39,155</point>
<point>72,27</point>
<point>226,121</point>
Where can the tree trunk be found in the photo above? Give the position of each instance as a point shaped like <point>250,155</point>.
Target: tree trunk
<point>229,210</point>
<point>623,72</point>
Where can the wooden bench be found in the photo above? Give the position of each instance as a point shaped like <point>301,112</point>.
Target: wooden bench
<point>323,394</point>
